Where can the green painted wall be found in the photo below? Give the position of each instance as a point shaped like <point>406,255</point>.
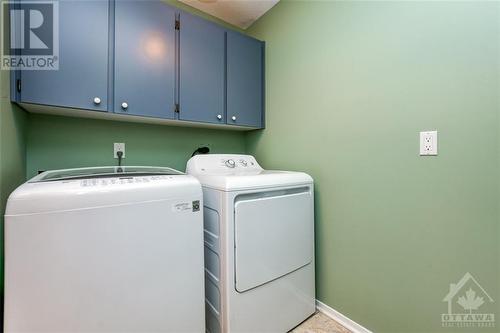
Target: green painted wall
<point>349,86</point>
<point>62,142</point>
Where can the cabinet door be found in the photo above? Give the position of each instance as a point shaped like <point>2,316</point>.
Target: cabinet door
<point>245,99</point>
<point>83,60</point>
<point>144,58</point>
<point>201,92</point>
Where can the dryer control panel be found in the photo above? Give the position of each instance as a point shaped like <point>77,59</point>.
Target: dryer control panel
<point>222,164</point>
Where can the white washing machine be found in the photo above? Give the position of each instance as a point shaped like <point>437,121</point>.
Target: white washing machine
<point>105,250</point>
<point>259,245</point>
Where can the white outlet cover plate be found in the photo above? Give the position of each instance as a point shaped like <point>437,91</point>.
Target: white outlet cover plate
<point>428,143</point>
<point>120,146</point>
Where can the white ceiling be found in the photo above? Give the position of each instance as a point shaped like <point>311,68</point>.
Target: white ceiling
<point>241,13</point>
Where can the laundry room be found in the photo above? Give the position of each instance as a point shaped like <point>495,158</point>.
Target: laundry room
<point>241,166</point>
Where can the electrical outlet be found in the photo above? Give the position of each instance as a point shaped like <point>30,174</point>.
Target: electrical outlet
<point>428,143</point>
<point>118,147</point>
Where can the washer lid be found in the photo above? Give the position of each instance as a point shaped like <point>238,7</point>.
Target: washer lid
<point>99,172</point>
<point>87,188</point>
<point>229,172</point>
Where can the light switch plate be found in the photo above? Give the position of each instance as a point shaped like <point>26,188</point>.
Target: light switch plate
<point>428,143</point>
<point>118,147</point>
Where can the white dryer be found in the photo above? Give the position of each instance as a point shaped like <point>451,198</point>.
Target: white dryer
<point>105,250</point>
<point>259,245</point>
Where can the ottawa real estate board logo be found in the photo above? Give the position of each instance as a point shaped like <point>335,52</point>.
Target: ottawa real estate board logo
<point>30,35</point>
<point>467,301</point>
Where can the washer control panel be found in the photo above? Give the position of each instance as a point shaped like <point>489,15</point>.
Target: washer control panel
<point>125,180</point>
<point>222,163</point>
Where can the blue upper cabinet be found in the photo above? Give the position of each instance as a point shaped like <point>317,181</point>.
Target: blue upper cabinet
<point>201,84</point>
<point>82,78</point>
<point>245,80</point>
<point>145,58</point>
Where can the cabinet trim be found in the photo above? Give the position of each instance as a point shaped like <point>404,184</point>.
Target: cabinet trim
<point>104,115</point>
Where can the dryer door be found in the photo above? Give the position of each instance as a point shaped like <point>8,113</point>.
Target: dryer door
<point>274,235</point>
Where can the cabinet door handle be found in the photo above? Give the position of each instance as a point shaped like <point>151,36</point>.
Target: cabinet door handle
<point>97,100</point>
<point>233,118</point>
<point>219,116</point>
<point>124,106</point>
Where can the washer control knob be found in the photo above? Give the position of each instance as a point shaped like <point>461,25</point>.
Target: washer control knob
<point>243,162</point>
<point>230,163</point>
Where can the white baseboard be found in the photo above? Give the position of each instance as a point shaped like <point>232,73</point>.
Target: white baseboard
<point>348,323</point>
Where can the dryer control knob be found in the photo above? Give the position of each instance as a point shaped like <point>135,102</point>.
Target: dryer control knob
<point>230,163</point>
